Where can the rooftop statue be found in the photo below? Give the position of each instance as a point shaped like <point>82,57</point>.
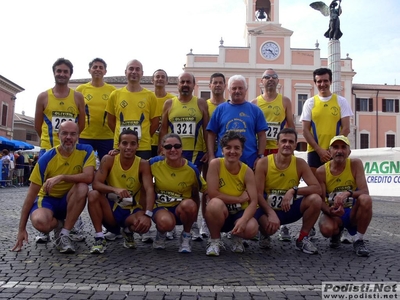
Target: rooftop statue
<point>334,11</point>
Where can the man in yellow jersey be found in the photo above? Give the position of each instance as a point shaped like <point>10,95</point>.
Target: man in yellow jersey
<point>280,198</point>
<point>53,107</point>
<point>57,105</point>
<point>217,87</point>
<point>277,110</point>
<point>187,116</point>
<point>347,203</point>
<point>58,190</point>
<point>134,107</point>
<point>160,80</point>
<point>97,133</point>
<point>114,200</point>
<point>324,116</point>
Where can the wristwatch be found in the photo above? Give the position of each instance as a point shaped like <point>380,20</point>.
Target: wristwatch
<point>148,213</point>
<point>351,193</point>
<point>260,155</point>
<point>295,188</point>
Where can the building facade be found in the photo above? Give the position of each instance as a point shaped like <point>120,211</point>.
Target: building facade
<point>8,92</point>
<point>376,118</point>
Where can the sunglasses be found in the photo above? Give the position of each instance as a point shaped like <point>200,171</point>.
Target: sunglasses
<point>169,146</point>
<point>270,76</point>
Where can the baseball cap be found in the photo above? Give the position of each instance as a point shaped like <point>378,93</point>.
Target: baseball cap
<point>339,138</point>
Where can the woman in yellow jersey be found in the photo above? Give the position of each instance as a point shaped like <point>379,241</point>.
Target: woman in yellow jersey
<point>233,196</point>
<point>177,183</point>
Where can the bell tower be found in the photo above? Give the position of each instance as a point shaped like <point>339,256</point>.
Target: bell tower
<point>262,11</point>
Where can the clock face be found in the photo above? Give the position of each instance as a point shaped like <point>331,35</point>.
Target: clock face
<point>270,50</point>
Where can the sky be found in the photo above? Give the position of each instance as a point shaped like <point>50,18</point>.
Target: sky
<point>160,33</point>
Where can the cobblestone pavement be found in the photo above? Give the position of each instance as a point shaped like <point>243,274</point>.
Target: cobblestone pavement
<point>41,272</point>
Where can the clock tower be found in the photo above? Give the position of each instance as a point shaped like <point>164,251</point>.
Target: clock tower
<point>264,34</point>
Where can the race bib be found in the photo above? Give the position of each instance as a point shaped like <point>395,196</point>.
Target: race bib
<point>234,208</point>
<point>58,117</point>
<point>275,201</point>
<point>132,125</point>
<point>185,128</point>
<point>348,202</point>
<point>272,131</point>
<point>162,198</point>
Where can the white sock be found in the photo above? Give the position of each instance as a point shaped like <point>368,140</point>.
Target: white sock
<point>358,236</point>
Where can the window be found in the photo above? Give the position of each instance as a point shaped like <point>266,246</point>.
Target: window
<point>364,141</point>
<point>301,98</point>
<point>390,105</point>
<point>364,104</point>
<point>205,95</point>
<point>4,115</point>
<point>31,136</point>
<point>390,140</point>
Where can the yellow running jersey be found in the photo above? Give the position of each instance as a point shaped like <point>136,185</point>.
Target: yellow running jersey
<point>186,120</point>
<point>278,182</point>
<point>325,121</point>
<point>232,185</point>
<point>275,115</point>
<point>160,105</point>
<point>126,179</point>
<point>52,163</point>
<point>96,125</point>
<point>339,183</point>
<point>172,185</point>
<point>57,111</point>
<point>133,110</point>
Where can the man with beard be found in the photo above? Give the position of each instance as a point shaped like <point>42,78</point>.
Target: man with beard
<point>97,133</point>
<point>187,116</point>
<point>133,107</point>
<point>58,189</point>
<point>277,111</point>
<point>53,107</point>
<point>345,191</point>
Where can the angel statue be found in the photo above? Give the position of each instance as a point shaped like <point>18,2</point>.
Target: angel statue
<point>334,11</point>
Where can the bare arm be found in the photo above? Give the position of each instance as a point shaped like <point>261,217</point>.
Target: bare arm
<point>206,118</point>
<point>80,103</point>
<point>251,189</point>
<point>211,137</point>
<point>262,142</point>
<point>154,125</point>
<point>101,175</point>
<point>213,185</point>
<point>26,208</point>
<point>305,172</point>
<point>289,114</point>
<point>164,121</point>
<point>321,177</point>
<point>260,175</point>
<point>345,126</point>
<point>41,102</point>
<point>147,182</point>
<point>359,175</point>
<point>111,120</point>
